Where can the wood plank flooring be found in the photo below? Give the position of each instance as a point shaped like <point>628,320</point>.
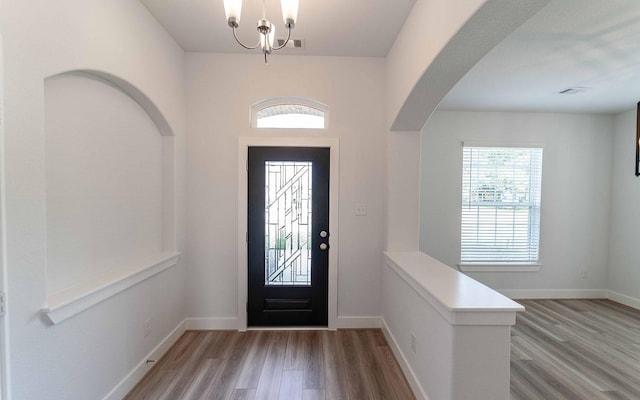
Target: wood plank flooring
<point>281,365</point>
<point>560,349</point>
<point>575,349</point>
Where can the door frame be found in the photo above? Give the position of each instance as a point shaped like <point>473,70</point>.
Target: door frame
<point>243,277</point>
<point>4,319</point>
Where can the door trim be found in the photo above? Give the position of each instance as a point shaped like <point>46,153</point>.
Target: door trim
<point>243,278</point>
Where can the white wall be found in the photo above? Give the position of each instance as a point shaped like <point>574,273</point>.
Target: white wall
<point>624,252</point>
<point>220,91</point>
<point>575,193</point>
<point>403,191</point>
<point>86,356</point>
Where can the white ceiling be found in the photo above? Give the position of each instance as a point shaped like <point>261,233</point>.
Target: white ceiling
<point>593,44</point>
<point>364,28</point>
<point>569,43</point>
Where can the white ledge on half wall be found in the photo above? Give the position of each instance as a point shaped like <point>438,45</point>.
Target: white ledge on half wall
<point>460,299</point>
<point>69,302</point>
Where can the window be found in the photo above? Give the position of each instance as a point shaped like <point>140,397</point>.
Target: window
<point>500,205</point>
<point>289,113</point>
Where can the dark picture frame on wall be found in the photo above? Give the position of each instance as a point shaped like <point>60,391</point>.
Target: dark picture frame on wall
<point>638,140</point>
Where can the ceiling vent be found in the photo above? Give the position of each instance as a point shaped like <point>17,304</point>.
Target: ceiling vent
<point>573,90</point>
<point>297,44</point>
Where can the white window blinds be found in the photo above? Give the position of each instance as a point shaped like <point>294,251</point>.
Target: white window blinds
<point>500,205</point>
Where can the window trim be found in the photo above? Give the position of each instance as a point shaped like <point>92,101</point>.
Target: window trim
<point>507,266</point>
<point>494,267</point>
<point>280,101</point>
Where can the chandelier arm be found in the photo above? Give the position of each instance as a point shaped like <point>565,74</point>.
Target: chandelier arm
<point>285,42</point>
<point>242,44</point>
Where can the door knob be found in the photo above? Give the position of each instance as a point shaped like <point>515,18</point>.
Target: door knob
<point>324,246</point>
<point>323,234</point>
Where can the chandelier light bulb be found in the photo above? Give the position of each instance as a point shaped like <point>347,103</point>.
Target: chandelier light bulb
<point>232,9</point>
<point>290,12</point>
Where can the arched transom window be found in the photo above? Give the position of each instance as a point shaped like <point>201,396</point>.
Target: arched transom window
<point>289,113</point>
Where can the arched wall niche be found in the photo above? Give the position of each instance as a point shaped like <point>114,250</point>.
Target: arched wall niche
<point>130,90</point>
<point>109,157</point>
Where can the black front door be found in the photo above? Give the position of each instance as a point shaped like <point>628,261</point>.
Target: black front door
<point>288,236</point>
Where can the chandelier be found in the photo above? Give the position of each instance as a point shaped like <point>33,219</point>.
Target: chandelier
<point>266,30</point>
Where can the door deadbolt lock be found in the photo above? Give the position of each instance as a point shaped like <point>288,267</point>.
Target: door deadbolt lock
<point>323,234</point>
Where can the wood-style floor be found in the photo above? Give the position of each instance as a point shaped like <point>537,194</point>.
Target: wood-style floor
<point>282,365</point>
<point>560,349</point>
<point>575,349</point>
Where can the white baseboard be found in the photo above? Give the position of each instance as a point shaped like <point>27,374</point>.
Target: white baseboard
<point>572,294</point>
<point>623,299</point>
<point>232,323</point>
<point>139,370</point>
<point>555,294</point>
<point>212,324</point>
<point>358,322</point>
<point>418,391</point>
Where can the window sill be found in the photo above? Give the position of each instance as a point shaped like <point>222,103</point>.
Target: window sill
<point>499,268</point>
<point>69,302</point>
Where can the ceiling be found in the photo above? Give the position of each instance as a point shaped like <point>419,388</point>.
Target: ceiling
<point>591,44</point>
<point>365,28</point>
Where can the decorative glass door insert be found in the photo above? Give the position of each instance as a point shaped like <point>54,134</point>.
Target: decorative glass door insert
<point>288,227</point>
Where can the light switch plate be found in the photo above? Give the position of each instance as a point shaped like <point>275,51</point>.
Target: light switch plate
<point>361,209</point>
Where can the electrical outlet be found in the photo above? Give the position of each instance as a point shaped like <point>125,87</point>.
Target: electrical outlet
<point>413,342</point>
<point>3,304</point>
<point>584,274</point>
<point>147,327</point>
<point>361,210</point>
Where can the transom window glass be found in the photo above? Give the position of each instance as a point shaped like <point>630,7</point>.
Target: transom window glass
<point>501,205</point>
<point>290,113</point>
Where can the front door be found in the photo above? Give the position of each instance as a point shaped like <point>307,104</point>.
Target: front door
<point>288,236</point>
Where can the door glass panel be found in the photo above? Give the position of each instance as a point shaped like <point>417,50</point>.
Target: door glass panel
<point>287,223</point>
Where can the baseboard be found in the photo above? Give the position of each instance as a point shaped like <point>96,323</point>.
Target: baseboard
<point>232,323</point>
<point>555,294</point>
<point>623,299</point>
<point>139,370</point>
<point>212,324</point>
<point>358,322</point>
<point>418,391</point>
